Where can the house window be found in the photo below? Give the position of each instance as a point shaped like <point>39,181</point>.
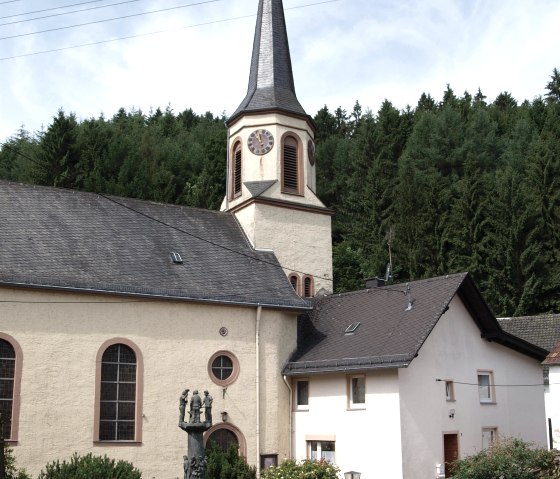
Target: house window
<point>118,392</point>
<point>302,394</point>
<point>223,368</point>
<point>486,387</point>
<point>321,450</point>
<point>308,290</point>
<point>294,281</point>
<point>489,436</point>
<point>291,170</point>
<point>449,391</point>
<point>236,170</point>
<point>10,380</point>
<point>269,460</point>
<point>357,391</point>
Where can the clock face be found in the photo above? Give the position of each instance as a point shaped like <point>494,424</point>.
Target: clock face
<point>311,152</point>
<point>260,142</point>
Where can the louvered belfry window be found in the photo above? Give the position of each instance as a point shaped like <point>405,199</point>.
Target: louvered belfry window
<point>307,287</point>
<point>237,170</point>
<point>118,394</point>
<point>290,166</point>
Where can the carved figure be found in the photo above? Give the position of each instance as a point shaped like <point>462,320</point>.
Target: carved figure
<point>183,405</point>
<point>196,404</point>
<point>197,467</point>
<point>207,401</point>
<point>186,467</point>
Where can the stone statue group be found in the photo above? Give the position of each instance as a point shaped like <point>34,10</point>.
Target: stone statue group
<point>197,403</point>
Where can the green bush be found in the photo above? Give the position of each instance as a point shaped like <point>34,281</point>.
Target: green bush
<point>12,472</point>
<point>227,465</point>
<point>509,459</point>
<point>90,467</point>
<point>307,469</point>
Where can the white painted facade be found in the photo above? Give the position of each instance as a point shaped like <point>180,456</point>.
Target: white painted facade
<point>399,433</point>
<point>552,403</point>
<point>59,342</point>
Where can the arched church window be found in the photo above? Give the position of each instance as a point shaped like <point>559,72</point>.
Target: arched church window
<point>119,392</point>
<point>294,281</point>
<point>10,376</point>
<point>291,170</point>
<point>224,435</point>
<point>236,170</point>
<point>308,288</point>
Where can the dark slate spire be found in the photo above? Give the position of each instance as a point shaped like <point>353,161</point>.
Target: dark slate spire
<point>271,82</point>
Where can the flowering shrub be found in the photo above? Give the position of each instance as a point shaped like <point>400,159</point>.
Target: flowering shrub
<point>307,469</point>
<point>509,459</point>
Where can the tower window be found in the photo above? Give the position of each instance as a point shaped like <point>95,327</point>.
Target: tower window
<point>308,289</point>
<point>236,170</point>
<point>294,280</point>
<point>291,175</point>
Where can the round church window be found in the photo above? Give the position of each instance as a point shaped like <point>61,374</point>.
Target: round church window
<point>223,368</point>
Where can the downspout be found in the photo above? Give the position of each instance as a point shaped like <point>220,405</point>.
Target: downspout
<point>228,179</point>
<point>258,386</point>
<point>290,420</point>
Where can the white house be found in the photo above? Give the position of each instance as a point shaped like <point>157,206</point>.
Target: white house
<point>552,396</point>
<point>397,381</point>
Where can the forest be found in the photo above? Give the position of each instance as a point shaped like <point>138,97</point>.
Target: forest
<point>462,184</point>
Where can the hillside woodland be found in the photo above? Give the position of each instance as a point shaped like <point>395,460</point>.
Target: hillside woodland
<point>462,184</point>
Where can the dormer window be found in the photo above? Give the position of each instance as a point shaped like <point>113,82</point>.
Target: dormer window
<point>236,170</point>
<point>291,168</point>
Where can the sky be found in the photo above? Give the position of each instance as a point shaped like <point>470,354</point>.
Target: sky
<point>196,54</point>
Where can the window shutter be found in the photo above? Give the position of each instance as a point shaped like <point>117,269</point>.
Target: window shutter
<point>237,170</point>
<point>290,166</point>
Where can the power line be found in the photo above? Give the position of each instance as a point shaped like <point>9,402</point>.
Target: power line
<point>494,385</point>
<point>231,250</point>
<point>9,1</point>
<point>129,37</point>
<point>49,9</point>
<point>109,19</point>
<point>67,13</point>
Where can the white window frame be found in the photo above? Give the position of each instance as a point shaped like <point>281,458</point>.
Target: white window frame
<point>449,390</point>
<point>486,392</point>
<point>321,450</point>
<point>492,432</point>
<point>352,404</point>
<point>297,405</point>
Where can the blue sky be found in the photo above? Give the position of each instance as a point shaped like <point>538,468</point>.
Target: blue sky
<point>342,51</point>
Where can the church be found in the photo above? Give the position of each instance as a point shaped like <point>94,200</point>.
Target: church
<point>110,307</point>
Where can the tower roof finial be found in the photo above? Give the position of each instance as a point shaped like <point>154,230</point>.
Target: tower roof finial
<point>271,82</point>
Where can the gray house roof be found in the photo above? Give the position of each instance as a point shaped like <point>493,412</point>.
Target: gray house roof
<point>271,82</point>
<point>63,239</point>
<point>542,330</point>
<point>394,322</point>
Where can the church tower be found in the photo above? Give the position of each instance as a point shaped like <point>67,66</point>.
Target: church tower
<point>271,181</point>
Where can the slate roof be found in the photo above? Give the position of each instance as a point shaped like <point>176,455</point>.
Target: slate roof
<point>542,330</point>
<point>271,81</point>
<point>388,336</point>
<point>257,188</point>
<point>56,238</point>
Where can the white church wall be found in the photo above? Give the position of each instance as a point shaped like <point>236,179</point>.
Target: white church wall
<point>552,402</point>
<point>60,335</point>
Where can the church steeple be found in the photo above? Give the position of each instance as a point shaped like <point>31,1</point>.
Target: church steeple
<point>271,82</point>
<point>271,179</point>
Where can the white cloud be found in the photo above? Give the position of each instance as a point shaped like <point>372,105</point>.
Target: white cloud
<point>344,51</point>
